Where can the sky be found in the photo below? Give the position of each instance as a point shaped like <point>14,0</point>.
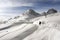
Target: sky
<point>9,7</point>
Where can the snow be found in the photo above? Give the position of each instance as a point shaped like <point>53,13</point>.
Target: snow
<point>22,29</point>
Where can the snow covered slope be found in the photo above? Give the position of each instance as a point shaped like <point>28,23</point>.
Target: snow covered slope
<point>18,29</point>
<point>48,30</point>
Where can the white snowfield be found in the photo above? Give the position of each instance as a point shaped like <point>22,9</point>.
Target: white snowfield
<point>17,29</point>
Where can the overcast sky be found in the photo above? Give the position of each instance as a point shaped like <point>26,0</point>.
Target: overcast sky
<point>19,6</point>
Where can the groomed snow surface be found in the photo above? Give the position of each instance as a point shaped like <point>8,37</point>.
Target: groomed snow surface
<point>17,29</point>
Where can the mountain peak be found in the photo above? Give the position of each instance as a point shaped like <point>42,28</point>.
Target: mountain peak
<point>30,11</point>
<point>51,11</point>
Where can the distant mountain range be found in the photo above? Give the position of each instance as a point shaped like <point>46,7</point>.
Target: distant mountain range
<point>30,14</point>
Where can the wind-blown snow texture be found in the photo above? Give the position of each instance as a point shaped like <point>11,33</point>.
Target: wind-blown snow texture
<point>24,27</point>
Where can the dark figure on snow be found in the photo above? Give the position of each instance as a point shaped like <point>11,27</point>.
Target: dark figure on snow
<point>40,23</point>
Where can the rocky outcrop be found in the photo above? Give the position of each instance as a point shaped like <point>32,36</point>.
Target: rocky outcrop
<point>44,14</point>
<point>31,12</point>
<point>51,11</point>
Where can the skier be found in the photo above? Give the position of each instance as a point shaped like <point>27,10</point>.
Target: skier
<point>39,22</point>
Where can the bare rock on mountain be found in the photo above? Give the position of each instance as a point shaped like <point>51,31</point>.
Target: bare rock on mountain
<point>44,14</point>
<point>51,11</point>
<point>31,12</point>
<point>16,17</point>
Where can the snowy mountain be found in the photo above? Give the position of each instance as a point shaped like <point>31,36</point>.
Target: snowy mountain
<point>29,14</point>
<point>38,27</point>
